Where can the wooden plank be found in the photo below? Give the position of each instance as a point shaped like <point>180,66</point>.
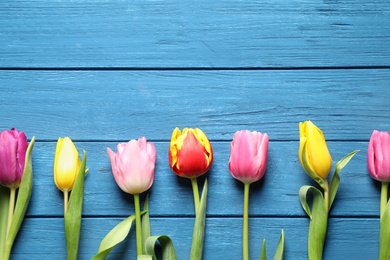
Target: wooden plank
<point>346,239</point>
<point>123,105</point>
<point>194,34</point>
<point>170,195</point>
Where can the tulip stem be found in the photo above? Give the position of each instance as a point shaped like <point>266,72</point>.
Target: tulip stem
<point>326,195</point>
<point>11,208</point>
<point>66,196</point>
<point>245,224</point>
<point>195,190</point>
<point>384,192</point>
<point>138,223</point>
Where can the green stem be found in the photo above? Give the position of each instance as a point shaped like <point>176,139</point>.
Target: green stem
<point>384,192</point>
<point>138,224</point>
<point>245,224</point>
<point>326,195</point>
<point>11,208</point>
<point>66,199</point>
<point>195,190</point>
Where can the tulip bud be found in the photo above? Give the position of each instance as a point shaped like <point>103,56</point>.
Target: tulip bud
<point>66,164</point>
<point>13,147</point>
<point>316,151</point>
<point>378,156</point>
<point>248,156</point>
<point>190,153</point>
<point>133,165</point>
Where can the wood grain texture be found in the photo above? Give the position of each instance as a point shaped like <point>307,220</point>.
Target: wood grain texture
<point>347,237</point>
<point>150,34</point>
<point>123,105</point>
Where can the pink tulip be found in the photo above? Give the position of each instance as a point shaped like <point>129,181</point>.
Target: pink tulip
<point>133,165</point>
<point>13,147</point>
<point>248,156</point>
<point>378,156</point>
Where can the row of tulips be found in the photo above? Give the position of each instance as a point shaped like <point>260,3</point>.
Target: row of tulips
<point>190,156</point>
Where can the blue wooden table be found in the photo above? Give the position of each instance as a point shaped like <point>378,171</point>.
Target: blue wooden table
<point>104,72</point>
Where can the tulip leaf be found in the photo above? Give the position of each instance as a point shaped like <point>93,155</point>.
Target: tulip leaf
<point>22,202</point>
<point>74,212</point>
<point>384,234</point>
<point>199,227</point>
<point>168,250</point>
<point>280,248</point>
<point>318,221</point>
<point>309,171</point>
<point>263,253</point>
<point>114,237</point>
<point>334,183</point>
<point>4,206</point>
<point>145,223</point>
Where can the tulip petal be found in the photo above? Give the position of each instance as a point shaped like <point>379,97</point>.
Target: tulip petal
<point>191,157</point>
<point>66,164</point>
<point>371,155</point>
<point>115,171</point>
<point>8,160</point>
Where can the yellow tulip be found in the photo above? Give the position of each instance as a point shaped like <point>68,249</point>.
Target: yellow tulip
<point>317,153</point>
<point>66,164</point>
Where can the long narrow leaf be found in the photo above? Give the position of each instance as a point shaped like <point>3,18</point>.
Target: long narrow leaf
<point>384,234</point>
<point>280,248</point>
<point>263,252</point>
<point>318,226</point>
<point>114,237</point>
<point>334,183</point>
<point>199,227</point>
<point>22,202</point>
<point>4,206</point>
<point>302,197</point>
<point>74,212</point>
<point>145,223</point>
<point>168,250</point>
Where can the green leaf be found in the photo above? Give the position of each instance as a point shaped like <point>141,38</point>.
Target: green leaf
<point>114,237</point>
<point>74,212</point>
<point>334,183</point>
<point>145,223</point>
<point>318,221</point>
<point>263,253</point>
<point>384,234</point>
<point>4,207</point>
<point>280,248</point>
<point>199,227</point>
<point>22,202</point>
<point>309,171</point>
<point>168,250</point>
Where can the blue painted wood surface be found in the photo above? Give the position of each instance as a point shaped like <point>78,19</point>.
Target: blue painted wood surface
<point>105,72</point>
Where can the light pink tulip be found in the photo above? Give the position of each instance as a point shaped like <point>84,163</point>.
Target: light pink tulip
<point>133,165</point>
<point>13,147</point>
<point>248,156</point>
<point>378,156</point>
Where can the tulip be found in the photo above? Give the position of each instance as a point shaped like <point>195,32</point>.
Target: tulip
<point>247,163</point>
<point>190,153</point>
<point>66,167</point>
<point>378,163</point>
<point>133,170</point>
<point>13,147</point>
<point>248,156</point>
<point>317,153</point>
<point>378,156</point>
<point>133,165</point>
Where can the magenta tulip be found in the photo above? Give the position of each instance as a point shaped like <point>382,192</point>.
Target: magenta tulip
<point>248,156</point>
<point>133,165</point>
<point>13,147</point>
<point>378,156</point>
